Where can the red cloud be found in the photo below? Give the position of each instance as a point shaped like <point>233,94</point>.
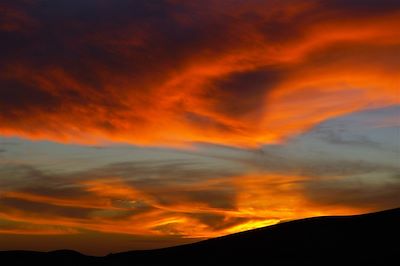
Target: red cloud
<point>238,74</point>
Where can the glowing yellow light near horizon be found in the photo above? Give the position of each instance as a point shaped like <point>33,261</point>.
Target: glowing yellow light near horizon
<point>252,225</point>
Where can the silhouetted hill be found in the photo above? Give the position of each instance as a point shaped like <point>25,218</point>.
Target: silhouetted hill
<point>369,239</point>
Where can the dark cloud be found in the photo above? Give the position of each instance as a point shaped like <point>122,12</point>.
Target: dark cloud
<point>334,138</point>
<point>354,192</point>
<point>222,198</point>
<point>344,168</point>
<point>160,172</point>
<point>44,209</point>
<point>22,175</point>
<point>243,93</point>
<point>362,7</point>
<point>281,159</point>
<point>122,38</point>
<point>16,97</point>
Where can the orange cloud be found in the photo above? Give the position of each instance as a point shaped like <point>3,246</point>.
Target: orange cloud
<point>113,206</point>
<point>248,74</point>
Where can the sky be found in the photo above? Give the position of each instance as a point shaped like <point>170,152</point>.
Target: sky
<point>145,124</point>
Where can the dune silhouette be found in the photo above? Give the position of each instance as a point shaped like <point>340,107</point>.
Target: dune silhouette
<point>367,239</point>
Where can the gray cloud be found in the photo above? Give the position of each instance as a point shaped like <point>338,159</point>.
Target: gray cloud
<point>45,210</point>
<point>162,171</point>
<point>332,136</point>
<point>355,192</point>
<point>166,182</point>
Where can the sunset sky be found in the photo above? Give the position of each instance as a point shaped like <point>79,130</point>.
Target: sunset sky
<point>136,124</point>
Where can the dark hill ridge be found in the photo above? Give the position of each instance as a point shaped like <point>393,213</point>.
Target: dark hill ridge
<point>369,239</point>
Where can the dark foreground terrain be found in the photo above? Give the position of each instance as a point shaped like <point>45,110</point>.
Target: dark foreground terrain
<point>369,239</point>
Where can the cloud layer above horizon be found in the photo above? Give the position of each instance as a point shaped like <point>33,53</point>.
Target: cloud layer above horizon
<point>152,123</point>
<point>74,194</point>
